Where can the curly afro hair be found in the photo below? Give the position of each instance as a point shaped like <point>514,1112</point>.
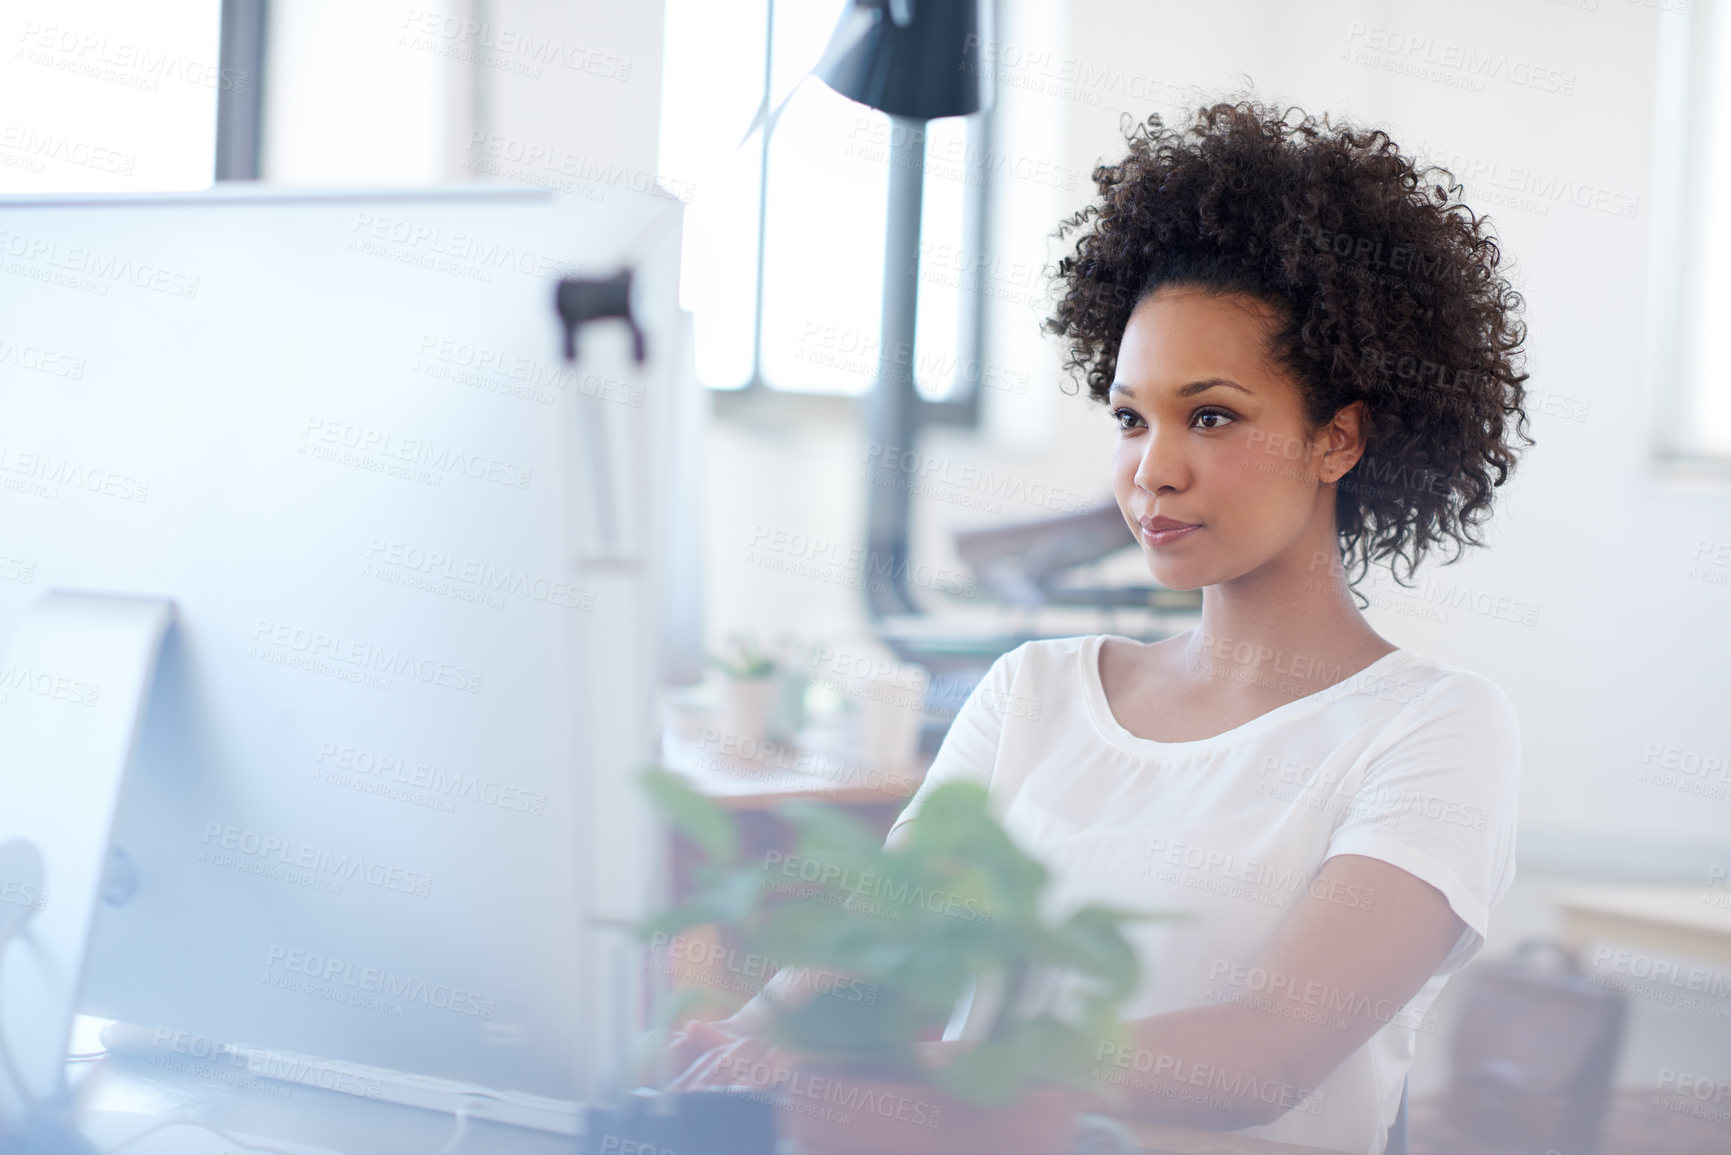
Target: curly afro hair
<point>1384,284</point>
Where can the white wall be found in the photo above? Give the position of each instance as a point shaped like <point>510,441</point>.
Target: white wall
<point>561,94</point>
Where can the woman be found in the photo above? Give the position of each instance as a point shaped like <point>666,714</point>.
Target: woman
<point>1312,363</point>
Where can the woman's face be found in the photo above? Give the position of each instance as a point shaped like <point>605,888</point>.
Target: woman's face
<point>1212,434</point>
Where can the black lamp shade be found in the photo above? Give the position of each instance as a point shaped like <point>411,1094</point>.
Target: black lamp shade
<point>928,67</point>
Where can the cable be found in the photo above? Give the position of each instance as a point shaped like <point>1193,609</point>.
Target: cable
<point>218,1131</point>
<point>456,1139</point>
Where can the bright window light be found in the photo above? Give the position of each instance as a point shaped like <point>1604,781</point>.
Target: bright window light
<point>1710,354</point>
<point>944,260</point>
<point>822,198</point>
<point>824,246</point>
<point>712,86</point>
<point>110,95</point>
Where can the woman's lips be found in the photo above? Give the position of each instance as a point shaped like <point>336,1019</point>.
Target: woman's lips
<point>1164,530</point>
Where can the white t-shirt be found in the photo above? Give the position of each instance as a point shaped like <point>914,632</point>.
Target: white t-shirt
<point>1408,761</point>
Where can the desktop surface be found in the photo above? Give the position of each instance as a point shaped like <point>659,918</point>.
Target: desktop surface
<point>127,1097</point>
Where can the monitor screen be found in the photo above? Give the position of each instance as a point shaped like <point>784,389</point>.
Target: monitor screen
<point>383,803</point>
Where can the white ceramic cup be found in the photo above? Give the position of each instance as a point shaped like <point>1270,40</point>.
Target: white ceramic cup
<point>745,707</point>
<point>890,715</point>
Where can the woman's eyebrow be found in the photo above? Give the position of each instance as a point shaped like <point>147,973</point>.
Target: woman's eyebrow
<point>1119,389</point>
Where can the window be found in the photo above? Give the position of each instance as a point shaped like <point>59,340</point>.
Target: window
<point>784,249</point>
<point>1690,344</point>
<point>110,95</point>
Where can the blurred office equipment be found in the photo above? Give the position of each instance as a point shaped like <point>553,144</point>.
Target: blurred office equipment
<point>382,808</point>
<point>1033,563</point>
<point>1693,921</point>
<point>917,62</point>
<point>1534,1053</point>
<point>1045,577</point>
<point>65,740</point>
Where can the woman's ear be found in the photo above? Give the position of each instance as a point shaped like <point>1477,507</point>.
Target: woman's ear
<point>1339,444</point>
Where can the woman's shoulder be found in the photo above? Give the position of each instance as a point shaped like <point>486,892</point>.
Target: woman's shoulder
<point>1041,657</point>
<point>1437,689</point>
<point>1457,680</point>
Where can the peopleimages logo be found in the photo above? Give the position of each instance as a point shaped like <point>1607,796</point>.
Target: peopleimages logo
<point>318,861</point>
<point>46,684</point>
<point>358,657</point>
<point>184,1052</point>
<point>714,964</point>
<point>337,979</point>
<point>104,266</point>
<point>1165,1070</point>
<point>869,887</point>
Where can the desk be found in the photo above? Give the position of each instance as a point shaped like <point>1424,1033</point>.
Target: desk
<point>783,772</point>
<point>1686,920</point>
<point>128,1096</point>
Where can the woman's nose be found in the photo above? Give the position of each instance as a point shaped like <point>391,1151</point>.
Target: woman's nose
<point>1162,465</point>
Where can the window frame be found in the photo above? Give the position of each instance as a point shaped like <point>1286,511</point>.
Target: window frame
<point>1679,201</point>
<point>961,406</point>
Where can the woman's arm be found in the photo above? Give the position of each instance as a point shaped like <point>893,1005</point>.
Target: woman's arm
<point>1361,940</point>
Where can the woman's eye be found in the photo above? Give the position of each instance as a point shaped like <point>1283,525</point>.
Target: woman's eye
<point>1125,415</point>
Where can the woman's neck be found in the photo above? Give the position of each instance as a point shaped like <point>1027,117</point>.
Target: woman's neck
<point>1285,625</point>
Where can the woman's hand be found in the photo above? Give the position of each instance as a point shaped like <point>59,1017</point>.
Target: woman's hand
<point>746,1061</point>
<point>678,1052</point>
<point>671,1054</point>
<point>725,1053</point>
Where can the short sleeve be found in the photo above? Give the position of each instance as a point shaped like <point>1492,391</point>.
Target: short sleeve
<point>1440,801</point>
<point>970,748</point>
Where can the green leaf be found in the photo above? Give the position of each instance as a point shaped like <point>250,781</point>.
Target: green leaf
<point>955,900</point>
<point>697,817</point>
<point>1093,944</point>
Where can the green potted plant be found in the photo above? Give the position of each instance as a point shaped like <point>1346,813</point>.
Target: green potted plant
<point>748,687</point>
<point>954,902</point>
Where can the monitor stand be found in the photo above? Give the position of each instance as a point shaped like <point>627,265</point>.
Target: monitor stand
<point>72,691</point>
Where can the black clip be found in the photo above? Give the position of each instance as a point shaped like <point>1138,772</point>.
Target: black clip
<point>583,299</point>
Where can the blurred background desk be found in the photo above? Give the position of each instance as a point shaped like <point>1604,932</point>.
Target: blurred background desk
<point>790,771</point>
<point>1686,920</point>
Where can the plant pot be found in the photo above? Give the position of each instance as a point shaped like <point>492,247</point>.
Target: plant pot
<point>745,707</point>
<point>830,1111</point>
<point>787,717</point>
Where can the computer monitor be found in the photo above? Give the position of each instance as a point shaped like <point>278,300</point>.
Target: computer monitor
<point>383,804</point>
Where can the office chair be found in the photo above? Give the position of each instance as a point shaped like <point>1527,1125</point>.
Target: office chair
<point>1397,1130</point>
